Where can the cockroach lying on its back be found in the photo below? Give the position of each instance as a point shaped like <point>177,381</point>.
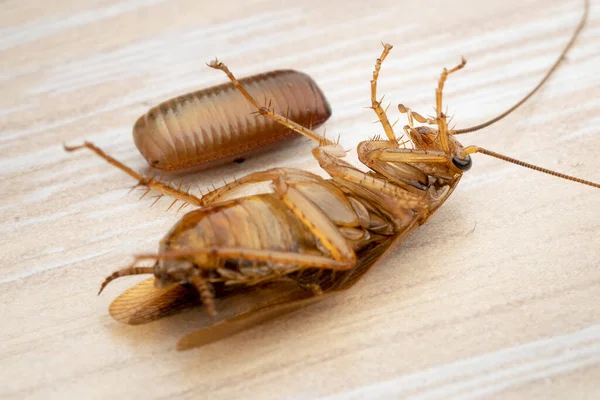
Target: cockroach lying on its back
<point>249,259</point>
<point>214,126</point>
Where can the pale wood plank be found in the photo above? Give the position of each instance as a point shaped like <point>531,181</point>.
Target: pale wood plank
<point>507,268</point>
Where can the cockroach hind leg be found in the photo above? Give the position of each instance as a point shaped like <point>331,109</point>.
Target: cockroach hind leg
<point>151,183</point>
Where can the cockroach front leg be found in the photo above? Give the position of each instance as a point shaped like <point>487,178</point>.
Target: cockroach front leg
<point>407,156</point>
<point>430,161</point>
<point>412,116</point>
<point>376,104</point>
<point>410,196</point>
<point>150,183</point>
<point>402,199</point>
<point>441,117</point>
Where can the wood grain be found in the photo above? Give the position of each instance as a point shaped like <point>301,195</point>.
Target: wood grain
<point>496,296</point>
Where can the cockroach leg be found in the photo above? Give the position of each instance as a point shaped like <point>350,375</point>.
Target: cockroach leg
<point>441,117</point>
<point>410,196</point>
<point>376,104</point>
<point>296,261</point>
<point>250,254</point>
<point>151,183</point>
<point>412,115</point>
<point>256,177</point>
<point>206,294</point>
<point>265,111</point>
<point>316,221</point>
<point>408,156</point>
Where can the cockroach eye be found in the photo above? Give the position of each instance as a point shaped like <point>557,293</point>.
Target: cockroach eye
<point>463,164</point>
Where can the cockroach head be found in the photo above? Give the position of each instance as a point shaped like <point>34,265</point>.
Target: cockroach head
<point>426,138</point>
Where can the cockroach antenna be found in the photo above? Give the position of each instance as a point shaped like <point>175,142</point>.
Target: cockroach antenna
<point>540,84</point>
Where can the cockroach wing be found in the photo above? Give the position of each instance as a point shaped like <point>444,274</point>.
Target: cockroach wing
<point>250,308</point>
<point>144,302</point>
<point>230,327</point>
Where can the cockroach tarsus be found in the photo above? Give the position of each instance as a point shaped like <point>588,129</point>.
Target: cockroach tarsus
<point>213,126</point>
<point>250,259</point>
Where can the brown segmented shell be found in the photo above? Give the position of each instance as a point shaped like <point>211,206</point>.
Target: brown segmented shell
<point>216,125</point>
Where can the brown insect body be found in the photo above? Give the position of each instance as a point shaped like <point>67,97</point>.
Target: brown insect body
<point>264,222</point>
<point>321,234</point>
<point>256,257</point>
<point>214,126</point>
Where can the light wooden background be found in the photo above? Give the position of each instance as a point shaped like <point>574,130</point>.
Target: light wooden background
<point>497,295</point>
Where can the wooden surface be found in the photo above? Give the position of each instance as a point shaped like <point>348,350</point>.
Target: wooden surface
<point>497,295</point>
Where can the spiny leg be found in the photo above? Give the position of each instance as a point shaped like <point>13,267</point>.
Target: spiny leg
<point>410,196</point>
<point>251,254</point>
<point>256,177</point>
<point>206,294</point>
<point>150,183</point>
<point>412,115</point>
<point>375,104</point>
<point>316,221</point>
<point>266,112</point>
<point>411,156</point>
<point>441,117</point>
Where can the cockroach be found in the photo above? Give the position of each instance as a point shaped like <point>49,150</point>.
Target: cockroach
<point>256,257</point>
<point>214,126</point>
